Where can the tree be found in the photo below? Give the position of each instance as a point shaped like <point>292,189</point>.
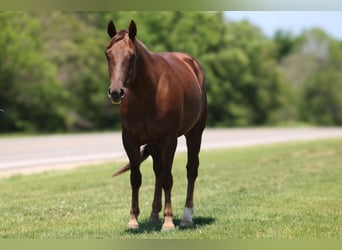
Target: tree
<point>53,72</point>
<point>245,85</point>
<point>285,42</point>
<point>322,98</point>
<point>313,69</point>
<point>28,91</point>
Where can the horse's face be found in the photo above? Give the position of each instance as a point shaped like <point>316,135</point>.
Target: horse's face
<point>121,56</point>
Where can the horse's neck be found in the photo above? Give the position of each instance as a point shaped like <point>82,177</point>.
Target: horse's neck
<point>146,62</point>
<point>144,84</point>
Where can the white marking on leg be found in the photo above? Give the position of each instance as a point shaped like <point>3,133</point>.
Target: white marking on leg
<point>187,217</point>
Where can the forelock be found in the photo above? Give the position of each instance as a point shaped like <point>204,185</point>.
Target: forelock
<point>118,36</point>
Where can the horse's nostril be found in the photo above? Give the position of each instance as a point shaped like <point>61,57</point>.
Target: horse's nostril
<point>109,93</point>
<point>122,93</point>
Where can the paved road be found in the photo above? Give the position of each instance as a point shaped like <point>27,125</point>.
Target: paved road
<point>34,154</point>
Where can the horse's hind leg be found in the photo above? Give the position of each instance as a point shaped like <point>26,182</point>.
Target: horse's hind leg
<point>193,141</point>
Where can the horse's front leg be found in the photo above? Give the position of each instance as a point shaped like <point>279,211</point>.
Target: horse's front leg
<point>157,167</point>
<point>167,180</point>
<point>133,153</point>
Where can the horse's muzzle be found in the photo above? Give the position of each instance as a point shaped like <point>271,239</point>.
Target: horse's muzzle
<point>116,95</point>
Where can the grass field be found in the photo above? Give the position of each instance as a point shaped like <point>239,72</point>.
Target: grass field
<point>285,191</point>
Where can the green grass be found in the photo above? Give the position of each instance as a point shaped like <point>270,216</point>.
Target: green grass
<point>286,191</point>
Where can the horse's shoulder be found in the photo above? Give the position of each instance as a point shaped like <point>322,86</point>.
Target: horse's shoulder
<point>185,59</point>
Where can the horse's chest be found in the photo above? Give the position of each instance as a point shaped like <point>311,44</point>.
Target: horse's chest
<point>145,129</point>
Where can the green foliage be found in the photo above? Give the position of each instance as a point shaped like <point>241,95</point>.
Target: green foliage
<point>322,98</point>
<point>314,70</point>
<point>29,91</point>
<point>53,74</point>
<point>245,86</point>
<point>285,42</point>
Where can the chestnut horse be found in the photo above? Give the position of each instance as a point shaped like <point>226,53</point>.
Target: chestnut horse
<point>162,96</point>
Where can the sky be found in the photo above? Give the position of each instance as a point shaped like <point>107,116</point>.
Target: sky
<point>294,21</point>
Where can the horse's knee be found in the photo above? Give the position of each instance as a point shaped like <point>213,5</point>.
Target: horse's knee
<point>167,181</point>
<point>192,169</point>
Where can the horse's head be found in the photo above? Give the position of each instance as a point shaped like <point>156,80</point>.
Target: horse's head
<point>121,56</point>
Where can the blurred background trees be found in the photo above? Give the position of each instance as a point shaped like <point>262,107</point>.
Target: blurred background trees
<point>53,73</point>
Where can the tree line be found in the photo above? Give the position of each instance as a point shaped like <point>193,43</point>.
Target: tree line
<point>53,72</point>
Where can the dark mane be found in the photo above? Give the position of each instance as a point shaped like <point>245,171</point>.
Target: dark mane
<point>118,36</point>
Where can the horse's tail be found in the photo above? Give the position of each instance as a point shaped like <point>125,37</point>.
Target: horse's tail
<point>144,153</point>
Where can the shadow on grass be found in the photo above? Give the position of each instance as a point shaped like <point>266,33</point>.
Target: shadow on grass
<point>147,226</point>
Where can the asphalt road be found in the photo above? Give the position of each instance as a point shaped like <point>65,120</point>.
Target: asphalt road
<point>40,153</point>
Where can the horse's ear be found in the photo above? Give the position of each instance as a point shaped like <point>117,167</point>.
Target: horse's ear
<point>132,30</point>
<point>111,30</point>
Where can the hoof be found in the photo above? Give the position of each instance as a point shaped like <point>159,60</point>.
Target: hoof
<point>186,223</point>
<point>168,225</point>
<point>133,225</point>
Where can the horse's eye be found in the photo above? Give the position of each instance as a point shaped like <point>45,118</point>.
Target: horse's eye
<point>132,58</point>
